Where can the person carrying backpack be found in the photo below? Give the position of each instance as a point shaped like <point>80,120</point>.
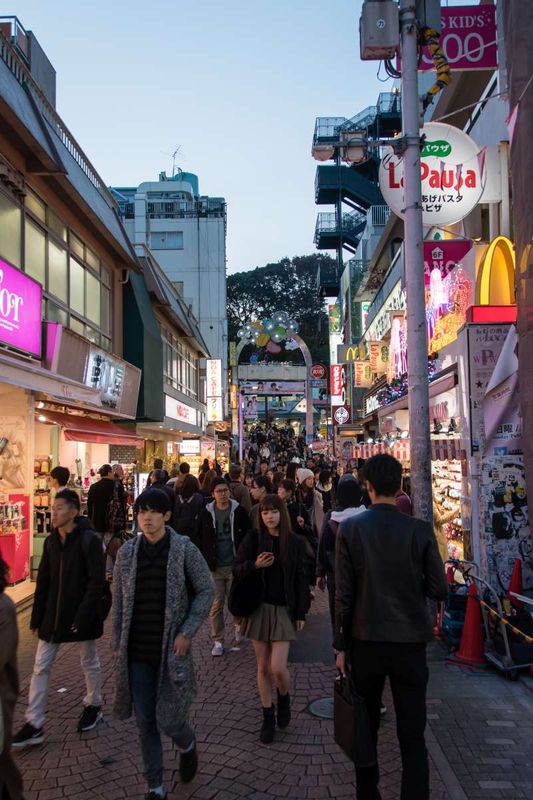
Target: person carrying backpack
<point>106,508</point>
<point>187,506</point>
<point>68,607</point>
<point>349,503</point>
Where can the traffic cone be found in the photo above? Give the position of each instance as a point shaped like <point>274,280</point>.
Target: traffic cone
<point>450,572</point>
<point>515,584</point>
<point>471,649</point>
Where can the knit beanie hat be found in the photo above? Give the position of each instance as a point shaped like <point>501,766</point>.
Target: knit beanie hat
<point>349,492</point>
<point>303,473</point>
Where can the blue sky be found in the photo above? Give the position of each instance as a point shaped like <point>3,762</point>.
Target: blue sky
<point>236,84</point>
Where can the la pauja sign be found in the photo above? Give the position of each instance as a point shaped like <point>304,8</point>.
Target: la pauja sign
<point>452,174</point>
<point>20,310</point>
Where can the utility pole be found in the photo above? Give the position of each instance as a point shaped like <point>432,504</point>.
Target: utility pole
<point>417,348</point>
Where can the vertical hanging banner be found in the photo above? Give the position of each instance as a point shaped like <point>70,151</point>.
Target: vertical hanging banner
<point>378,354</point>
<point>337,382</point>
<point>214,390</point>
<point>362,374</point>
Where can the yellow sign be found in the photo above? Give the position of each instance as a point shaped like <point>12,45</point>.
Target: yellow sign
<point>496,276</point>
<point>362,374</point>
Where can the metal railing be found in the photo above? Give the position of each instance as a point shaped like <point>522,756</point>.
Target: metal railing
<point>23,76</point>
<point>378,215</point>
<point>389,102</point>
<point>326,222</point>
<point>327,127</point>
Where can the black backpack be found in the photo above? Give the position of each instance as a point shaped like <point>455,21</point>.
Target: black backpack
<point>185,515</point>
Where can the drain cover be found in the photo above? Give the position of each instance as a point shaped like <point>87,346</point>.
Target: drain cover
<point>322,708</point>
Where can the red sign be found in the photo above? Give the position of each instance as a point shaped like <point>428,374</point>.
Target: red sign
<point>468,38</point>
<point>318,371</point>
<point>342,415</point>
<point>337,380</point>
<point>444,255</point>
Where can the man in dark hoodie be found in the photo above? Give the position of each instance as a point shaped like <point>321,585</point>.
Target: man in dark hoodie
<point>67,608</point>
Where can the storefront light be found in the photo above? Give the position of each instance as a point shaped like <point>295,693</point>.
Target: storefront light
<point>41,418</point>
<point>40,404</point>
<point>404,434</point>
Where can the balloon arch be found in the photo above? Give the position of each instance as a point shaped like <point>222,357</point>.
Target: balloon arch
<point>274,334</point>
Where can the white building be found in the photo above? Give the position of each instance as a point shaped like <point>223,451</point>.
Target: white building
<point>187,234</point>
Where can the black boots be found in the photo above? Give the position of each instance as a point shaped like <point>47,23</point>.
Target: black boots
<point>269,725</point>
<point>284,710</point>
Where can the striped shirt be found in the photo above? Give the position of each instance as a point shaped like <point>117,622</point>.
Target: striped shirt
<point>146,631</point>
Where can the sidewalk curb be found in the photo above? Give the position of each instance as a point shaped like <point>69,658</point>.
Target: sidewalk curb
<point>447,775</point>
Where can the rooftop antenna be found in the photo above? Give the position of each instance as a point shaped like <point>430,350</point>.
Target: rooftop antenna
<point>174,156</point>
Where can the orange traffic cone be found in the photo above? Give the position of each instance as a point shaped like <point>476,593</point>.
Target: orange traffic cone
<point>471,648</point>
<point>515,584</point>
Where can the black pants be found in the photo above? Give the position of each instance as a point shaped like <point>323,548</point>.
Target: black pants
<point>405,665</point>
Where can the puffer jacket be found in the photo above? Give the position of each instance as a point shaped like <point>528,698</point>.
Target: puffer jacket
<point>70,585</point>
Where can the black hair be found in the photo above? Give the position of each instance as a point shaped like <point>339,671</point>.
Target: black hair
<point>152,500</point>
<point>185,468</point>
<point>61,475</point>
<point>4,574</point>
<point>262,482</point>
<point>384,473</point>
<point>159,475</point>
<point>70,497</point>
<point>218,482</point>
<point>105,469</point>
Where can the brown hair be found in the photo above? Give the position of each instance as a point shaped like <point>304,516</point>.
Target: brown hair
<point>189,486</point>
<point>210,476</point>
<point>273,502</point>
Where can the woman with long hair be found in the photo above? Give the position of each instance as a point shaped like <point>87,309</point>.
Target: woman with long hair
<point>277,555</point>
<point>207,485</point>
<point>187,506</point>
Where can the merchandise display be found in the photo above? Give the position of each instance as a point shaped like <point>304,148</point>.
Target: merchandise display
<point>15,534</point>
<point>447,486</point>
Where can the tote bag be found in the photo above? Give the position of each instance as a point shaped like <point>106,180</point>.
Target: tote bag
<point>351,724</point>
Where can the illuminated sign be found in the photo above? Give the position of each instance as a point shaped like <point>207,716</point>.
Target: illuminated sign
<point>20,310</point>
<point>451,170</point>
<point>444,255</point>
<point>496,277</point>
<point>362,374</point>
<point>447,301</point>
<point>337,381</point>
<point>380,325</point>
<point>189,447</point>
<point>175,409</point>
<point>378,355</point>
<point>215,411</point>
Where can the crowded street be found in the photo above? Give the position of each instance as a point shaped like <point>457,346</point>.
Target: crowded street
<point>480,733</point>
<point>266,417</point>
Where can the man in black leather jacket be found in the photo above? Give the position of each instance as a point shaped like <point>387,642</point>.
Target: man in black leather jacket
<point>386,565</point>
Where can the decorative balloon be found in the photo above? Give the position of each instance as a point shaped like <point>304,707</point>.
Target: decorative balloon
<point>271,332</point>
<point>272,347</point>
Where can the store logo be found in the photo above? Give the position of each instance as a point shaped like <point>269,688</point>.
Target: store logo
<point>20,310</point>
<point>440,148</point>
<point>342,415</point>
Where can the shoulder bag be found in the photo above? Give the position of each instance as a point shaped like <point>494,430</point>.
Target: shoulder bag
<point>351,724</point>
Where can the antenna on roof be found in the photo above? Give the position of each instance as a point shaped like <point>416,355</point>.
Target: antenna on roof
<point>174,156</point>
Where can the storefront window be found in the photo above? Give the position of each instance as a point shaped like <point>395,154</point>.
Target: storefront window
<point>54,313</point>
<point>93,298</point>
<point>77,287</point>
<point>180,364</point>
<point>10,236</point>
<point>57,271</point>
<point>35,252</point>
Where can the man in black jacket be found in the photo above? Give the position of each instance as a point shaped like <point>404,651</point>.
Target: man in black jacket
<point>386,565</point>
<point>222,525</point>
<point>66,608</point>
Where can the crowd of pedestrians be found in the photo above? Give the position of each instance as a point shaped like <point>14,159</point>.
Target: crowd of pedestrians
<point>256,543</point>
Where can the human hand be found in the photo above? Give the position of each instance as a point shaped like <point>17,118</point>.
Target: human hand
<point>321,584</point>
<point>181,645</point>
<point>341,662</point>
<point>264,560</point>
<point>300,521</point>
<point>300,624</point>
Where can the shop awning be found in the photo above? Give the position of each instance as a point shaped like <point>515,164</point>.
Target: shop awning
<point>77,428</point>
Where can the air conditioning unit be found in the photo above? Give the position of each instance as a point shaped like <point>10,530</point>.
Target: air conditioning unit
<point>379,30</point>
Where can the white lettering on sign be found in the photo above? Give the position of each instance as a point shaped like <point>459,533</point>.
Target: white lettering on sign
<point>371,404</point>
<point>10,304</point>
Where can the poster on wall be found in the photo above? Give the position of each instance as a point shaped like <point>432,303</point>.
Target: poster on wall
<point>250,407</point>
<point>485,343</point>
<point>501,404</point>
<point>12,452</point>
<point>504,521</point>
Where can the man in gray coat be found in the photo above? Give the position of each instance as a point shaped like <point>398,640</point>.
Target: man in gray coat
<point>163,591</point>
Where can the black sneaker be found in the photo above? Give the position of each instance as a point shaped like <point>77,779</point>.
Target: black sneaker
<point>188,765</point>
<point>155,796</point>
<point>90,718</point>
<point>28,736</point>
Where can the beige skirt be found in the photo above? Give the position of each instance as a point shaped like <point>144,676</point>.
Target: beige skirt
<point>269,624</point>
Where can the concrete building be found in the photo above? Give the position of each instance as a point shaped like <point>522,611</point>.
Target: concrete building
<point>187,234</point>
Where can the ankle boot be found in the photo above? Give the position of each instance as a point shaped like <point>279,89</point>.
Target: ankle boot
<point>284,710</point>
<point>269,725</point>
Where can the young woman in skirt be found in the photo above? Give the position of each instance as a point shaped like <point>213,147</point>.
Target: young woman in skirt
<point>278,557</point>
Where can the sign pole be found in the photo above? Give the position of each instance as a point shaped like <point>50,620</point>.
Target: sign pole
<point>419,429</point>
<point>240,400</point>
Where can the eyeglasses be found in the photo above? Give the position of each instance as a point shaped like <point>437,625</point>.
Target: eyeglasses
<point>221,491</point>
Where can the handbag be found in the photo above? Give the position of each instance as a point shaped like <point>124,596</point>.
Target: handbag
<point>246,594</point>
<point>351,724</point>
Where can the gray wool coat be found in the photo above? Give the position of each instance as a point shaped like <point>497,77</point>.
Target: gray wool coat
<point>189,597</point>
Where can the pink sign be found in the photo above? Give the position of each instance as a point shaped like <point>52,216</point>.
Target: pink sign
<point>444,255</point>
<point>20,310</point>
<point>468,38</point>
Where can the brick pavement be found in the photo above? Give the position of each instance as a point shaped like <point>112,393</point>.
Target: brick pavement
<point>473,753</point>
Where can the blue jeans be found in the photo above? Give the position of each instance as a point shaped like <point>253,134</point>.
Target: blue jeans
<point>143,686</point>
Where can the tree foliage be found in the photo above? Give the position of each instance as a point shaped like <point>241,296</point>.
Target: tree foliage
<point>288,285</point>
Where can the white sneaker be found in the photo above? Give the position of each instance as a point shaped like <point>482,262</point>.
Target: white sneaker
<point>218,649</point>
<point>238,635</point>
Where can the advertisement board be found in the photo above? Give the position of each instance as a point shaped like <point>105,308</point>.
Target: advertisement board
<point>20,310</point>
<point>485,343</point>
<point>452,173</point>
<point>272,387</point>
<point>175,409</point>
<point>444,255</point>
<point>342,415</point>
<point>468,39</point>
<point>362,374</point>
<point>317,371</point>
<point>337,382</point>
<point>105,373</point>
<point>215,411</point>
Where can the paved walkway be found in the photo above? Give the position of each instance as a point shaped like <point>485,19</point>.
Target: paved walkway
<point>480,735</point>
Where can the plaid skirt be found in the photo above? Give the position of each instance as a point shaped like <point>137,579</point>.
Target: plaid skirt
<point>269,624</point>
